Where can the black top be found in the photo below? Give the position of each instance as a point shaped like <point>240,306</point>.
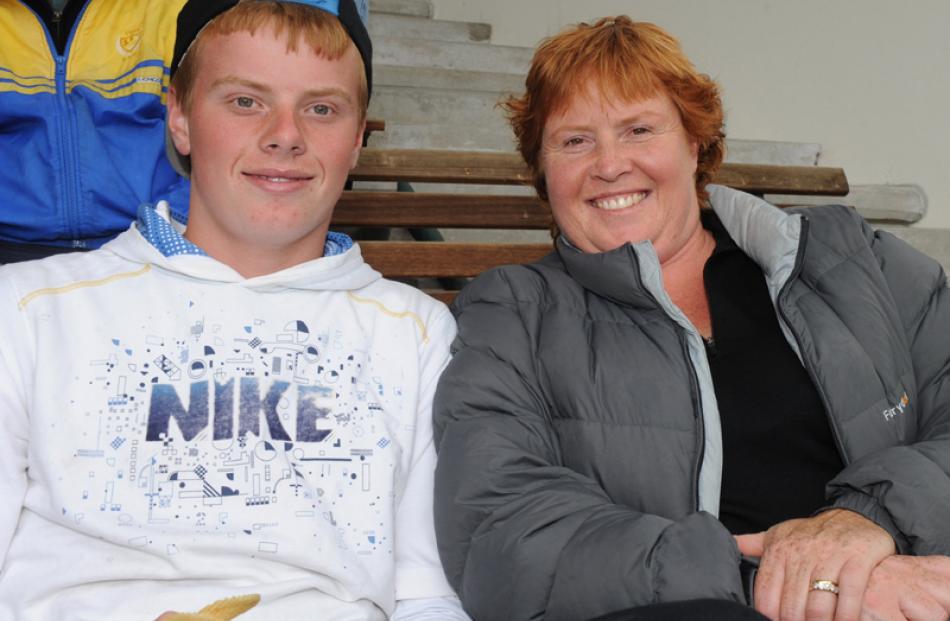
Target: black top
<point>59,17</point>
<point>777,444</point>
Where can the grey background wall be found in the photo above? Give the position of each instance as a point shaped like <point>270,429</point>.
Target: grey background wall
<point>867,79</point>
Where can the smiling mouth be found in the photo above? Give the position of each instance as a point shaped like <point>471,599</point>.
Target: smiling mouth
<point>619,202</point>
<point>277,179</point>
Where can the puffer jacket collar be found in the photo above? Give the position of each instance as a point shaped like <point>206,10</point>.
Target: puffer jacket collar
<point>630,274</point>
<point>615,275</point>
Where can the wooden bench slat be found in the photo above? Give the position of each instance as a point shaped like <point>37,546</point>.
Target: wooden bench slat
<point>375,125</point>
<point>423,165</point>
<point>795,180</point>
<point>424,209</point>
<point>436,210</point>
<point>440,166</point>
<point>443,295</point>
<point>446,259</point>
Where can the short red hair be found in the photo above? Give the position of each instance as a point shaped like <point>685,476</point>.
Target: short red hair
<point>625,59</point>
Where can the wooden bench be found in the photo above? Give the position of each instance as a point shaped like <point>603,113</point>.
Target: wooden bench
<point>441,260</point>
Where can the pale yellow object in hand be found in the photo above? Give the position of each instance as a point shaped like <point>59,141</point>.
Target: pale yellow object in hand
<point>221,610</point>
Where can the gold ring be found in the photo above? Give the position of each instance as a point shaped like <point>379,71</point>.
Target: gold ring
<point>829,586</point>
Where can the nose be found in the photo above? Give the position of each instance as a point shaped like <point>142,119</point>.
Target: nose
<point>282,134</point>
<point>611,161</point>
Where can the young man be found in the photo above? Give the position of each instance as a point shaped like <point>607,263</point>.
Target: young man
<point>242,409</point>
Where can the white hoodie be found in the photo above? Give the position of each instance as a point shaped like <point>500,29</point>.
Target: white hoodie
<point>172,433</point>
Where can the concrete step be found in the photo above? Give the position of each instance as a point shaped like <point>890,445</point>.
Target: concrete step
<point>876,202</point>
<point>496,135</point>
<point>433,108</point>
<point>412,27</point>
<point>407,52</point>
<point>447,79</point>
<point>416,106</point>
<point>450,137</point>
<point>740,151</point>
<point>418,8</point>
<point>430,119</point>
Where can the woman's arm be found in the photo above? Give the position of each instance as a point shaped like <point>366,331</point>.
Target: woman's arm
<point>895,499</point>
<point>906,489</point>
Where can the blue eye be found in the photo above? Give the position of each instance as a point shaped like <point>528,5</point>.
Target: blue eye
<point>244,102</point>
<point>322,109</point>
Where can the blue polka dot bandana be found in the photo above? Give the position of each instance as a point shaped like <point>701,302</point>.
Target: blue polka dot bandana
<point>159,232</point>
<point>154,225</point>
<point>337,243</point>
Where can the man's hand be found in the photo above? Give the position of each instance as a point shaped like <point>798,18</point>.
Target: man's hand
<point>913,588</point>
<point>837,545</point>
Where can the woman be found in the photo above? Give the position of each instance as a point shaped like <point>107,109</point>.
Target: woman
<point>672,376</point>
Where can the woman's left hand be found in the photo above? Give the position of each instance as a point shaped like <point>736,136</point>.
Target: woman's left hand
<point>837,547</point>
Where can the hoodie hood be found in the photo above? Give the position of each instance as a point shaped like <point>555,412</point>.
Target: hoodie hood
<point>342,272</point>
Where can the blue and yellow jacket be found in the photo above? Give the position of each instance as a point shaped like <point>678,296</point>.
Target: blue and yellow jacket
<point>82,127</point>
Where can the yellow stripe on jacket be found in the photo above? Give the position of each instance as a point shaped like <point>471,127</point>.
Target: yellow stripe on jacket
<point>26,63</point>
<point>113,39</point>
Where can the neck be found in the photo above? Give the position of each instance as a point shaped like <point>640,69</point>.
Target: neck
<point>683,278</point>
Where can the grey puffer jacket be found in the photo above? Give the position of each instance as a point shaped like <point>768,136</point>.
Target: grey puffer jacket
<point>578,434</point>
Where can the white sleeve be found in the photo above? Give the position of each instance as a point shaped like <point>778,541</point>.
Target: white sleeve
<point>430,609</point>
<point>419,572</point>
<point>14,419</point>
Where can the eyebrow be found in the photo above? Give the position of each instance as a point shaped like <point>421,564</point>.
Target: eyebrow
<point>648,115</point>
<point>263,88</point>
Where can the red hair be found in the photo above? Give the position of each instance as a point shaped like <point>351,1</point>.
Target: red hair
<point>628,60</point>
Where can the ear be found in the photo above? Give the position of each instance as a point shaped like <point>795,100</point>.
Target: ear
<point>354,158</point>
<point>178,123</point>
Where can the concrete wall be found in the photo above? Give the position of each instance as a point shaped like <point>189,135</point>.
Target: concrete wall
<point>868,79</point>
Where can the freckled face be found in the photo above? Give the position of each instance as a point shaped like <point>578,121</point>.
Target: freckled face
<point>272,136</point>
<point>621,171</point>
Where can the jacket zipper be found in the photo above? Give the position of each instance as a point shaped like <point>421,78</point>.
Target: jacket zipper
<point>70,138</point>
<point>700,416</point>
<point>65,170</point>
<point>697,405</point>
<point>67,152</point>
<point>782,294</point>
<point>68,173</point>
